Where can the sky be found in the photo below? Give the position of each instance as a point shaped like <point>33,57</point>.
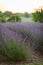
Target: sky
<point>20,5</point>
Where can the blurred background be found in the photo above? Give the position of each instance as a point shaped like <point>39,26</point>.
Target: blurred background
<point>21,11</point>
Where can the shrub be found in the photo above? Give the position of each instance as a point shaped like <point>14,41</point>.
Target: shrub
<point>26,14</point>
<point>38,16</point>
<point>14,18</point>
<point>2,18</point>
<point>15,51</point>
<point>38,43</point>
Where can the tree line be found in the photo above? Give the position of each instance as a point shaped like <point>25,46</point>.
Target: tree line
<point>38,16</point>
<point>8,16</point>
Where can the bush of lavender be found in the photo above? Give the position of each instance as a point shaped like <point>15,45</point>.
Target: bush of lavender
<point>38,43</point>
<point>14,52</point>
<point>9,34</point>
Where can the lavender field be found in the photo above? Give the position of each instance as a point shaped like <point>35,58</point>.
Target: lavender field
<point>26,34</point>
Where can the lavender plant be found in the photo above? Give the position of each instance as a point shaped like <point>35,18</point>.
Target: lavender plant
<point>33,30</point>
<point>4,32</point>
<point>14,52</point>
<point>35,34</point>
<point>11,48</point>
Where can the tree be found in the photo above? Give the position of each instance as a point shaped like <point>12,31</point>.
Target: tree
<point>7,13</point>
<point>2,17</point>
<point>14,18</point>
<point>26,14</point>
<point>9,16</point>
<point>38,16</point>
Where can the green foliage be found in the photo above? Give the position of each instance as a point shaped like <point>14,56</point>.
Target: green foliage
<point>26,14</point>
<point>9,17</point>
<point>2,17</point>
<point>38,45</point>
<point>7,13</point>
<point>15,51</point>
<point>38,16</point>
<point>14,18</point>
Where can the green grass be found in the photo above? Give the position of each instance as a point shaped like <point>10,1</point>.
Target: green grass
<point>24,19</point>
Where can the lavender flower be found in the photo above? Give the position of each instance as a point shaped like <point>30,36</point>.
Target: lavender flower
<point>31,32</point>
<point>8,34</point>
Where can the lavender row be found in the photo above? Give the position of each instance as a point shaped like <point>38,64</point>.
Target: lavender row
<point>32,33</point>
<point>8,34</point>
<point>27,28</point>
